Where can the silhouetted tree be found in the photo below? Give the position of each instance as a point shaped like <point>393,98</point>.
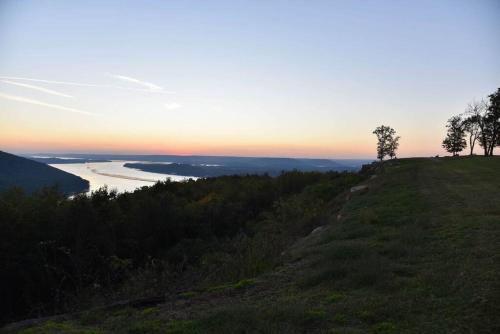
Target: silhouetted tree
<point>392,147</point>
<point>387,143</point>
<point>492,120</point>
<point>482,123</point>
<point>455,141</point>
<point>474,122</point>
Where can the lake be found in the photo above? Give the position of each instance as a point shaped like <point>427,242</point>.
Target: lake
<point>115,176</point>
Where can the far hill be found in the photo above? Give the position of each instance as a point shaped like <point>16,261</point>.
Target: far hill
<point>214,171</point>
<point>238,165</point>
<point>30,175</point>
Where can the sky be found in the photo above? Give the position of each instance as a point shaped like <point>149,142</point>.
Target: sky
<point>245,78</point>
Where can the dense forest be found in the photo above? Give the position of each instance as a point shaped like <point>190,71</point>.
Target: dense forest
<point>59,254</point>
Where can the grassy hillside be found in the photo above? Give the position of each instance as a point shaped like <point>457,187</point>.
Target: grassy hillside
<point>418,252</point>
<point>31,175</point>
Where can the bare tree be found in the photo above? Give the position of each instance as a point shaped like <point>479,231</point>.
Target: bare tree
<point>476,116</point>
<point>473,122</point>
<point>481,123</point>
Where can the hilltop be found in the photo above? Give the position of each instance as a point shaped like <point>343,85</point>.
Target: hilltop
<point>30,175</point>
<point>416,251</point>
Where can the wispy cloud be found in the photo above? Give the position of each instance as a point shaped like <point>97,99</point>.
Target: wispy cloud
<point>43,104</point>
<point>38,88</point>
<point>145,84</point>
<point>80,84</point>
<point>172,106</point>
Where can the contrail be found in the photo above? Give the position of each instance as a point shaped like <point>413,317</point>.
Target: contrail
<point>43,104</point>
<point>149,85</point>
<point>40,89</point>
<point>86,85</point>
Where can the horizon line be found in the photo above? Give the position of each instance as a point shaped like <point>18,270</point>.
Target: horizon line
<point>25,153</point>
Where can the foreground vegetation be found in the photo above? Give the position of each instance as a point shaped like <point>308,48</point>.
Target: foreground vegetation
<point>416,252</point>
<point>59,255</point>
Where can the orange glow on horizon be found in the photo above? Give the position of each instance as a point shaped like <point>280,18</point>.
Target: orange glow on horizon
<point>61,140</point>
<point>139,145</point>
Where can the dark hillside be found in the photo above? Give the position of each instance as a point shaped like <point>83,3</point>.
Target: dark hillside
<point>31,176</point>
<point>55,160</point>
<point>61,254</point>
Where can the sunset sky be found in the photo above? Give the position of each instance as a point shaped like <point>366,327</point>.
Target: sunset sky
<point>248,78</point>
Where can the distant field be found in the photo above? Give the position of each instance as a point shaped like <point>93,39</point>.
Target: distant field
<point>418,252</point>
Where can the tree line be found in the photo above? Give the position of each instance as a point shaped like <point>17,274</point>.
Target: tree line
<point>479,124</point>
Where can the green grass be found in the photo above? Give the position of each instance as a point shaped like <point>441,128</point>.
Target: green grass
<point>188,294</point>
<point>418,253</point>
<point>242,284</point>
<point>64,327</point>
<point>421,251</point>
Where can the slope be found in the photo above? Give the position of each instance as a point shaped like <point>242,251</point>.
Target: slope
<point>418,252</point>
<point>31,176</point>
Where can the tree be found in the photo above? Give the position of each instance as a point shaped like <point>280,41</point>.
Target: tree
<point>486,116</point>
<point>393,146</point>
<point>472,129</point>
<point>388,142</point>
<point>483,123</point>
<point>474,122</point>
<point>455,141</point>
<point>493,121</point>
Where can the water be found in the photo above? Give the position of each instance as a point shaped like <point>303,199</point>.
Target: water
<point>115,176</point>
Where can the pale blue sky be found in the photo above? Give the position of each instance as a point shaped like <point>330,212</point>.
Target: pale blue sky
<point>290,78</point>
